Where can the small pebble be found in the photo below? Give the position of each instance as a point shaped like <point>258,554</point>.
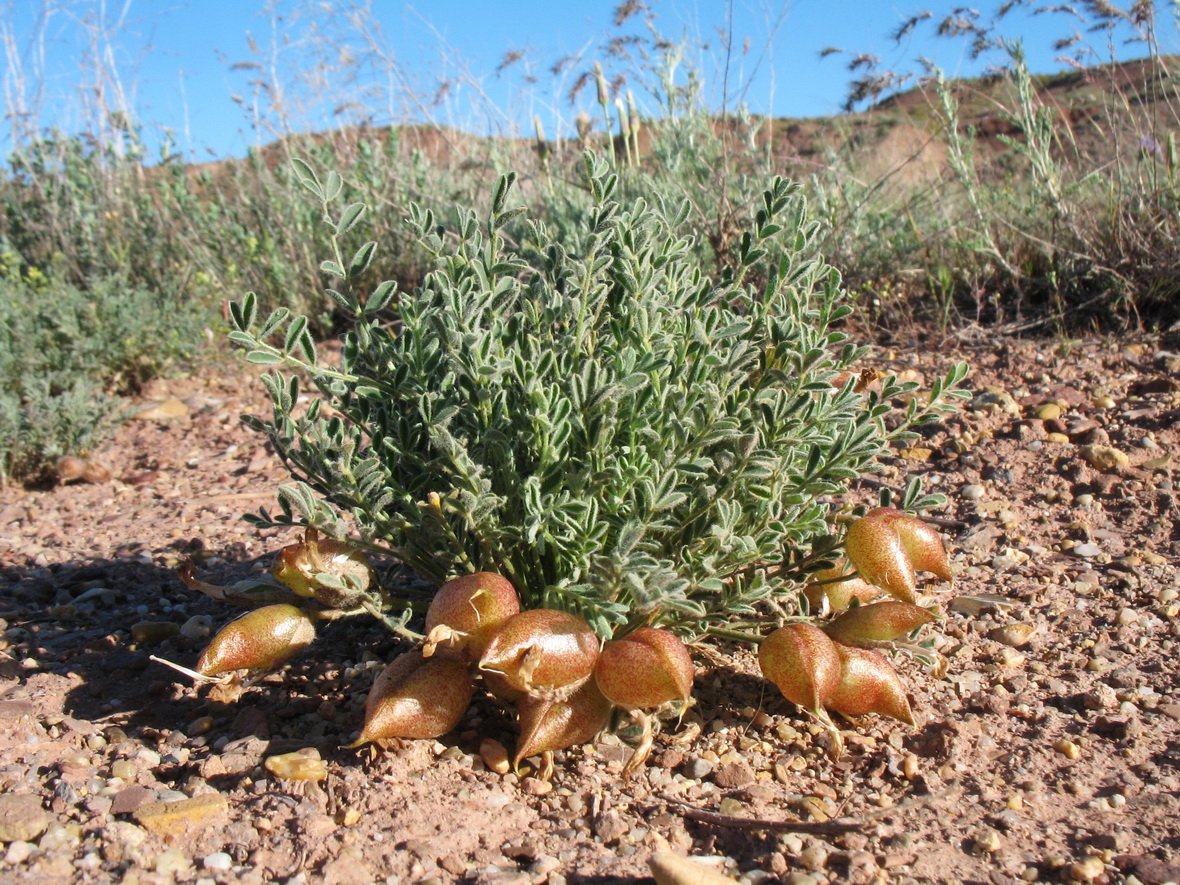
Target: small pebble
<point>987,839</point>
<point>172,861</point>
<point>972,492</point>
<point>1068,749</point>
<point>18,852</point>
<point>1087,870</point>
<point>698,768</point>
<point>219,861</point>
<point>197,628</point>
<point>494,756</point>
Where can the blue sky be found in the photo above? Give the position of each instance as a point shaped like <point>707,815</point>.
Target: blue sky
<point>194,67</point>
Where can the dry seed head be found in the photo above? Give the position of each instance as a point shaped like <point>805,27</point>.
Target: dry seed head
<point>880,622</point>
<point>600,83</point>
<point>265,638</point>
<point>645,669</point>
<point>877,551</point>
<point>416,698</point>
<point>624,121</point>
<point>869,684</point>
<point>542,650</point>
<point>803,662</point>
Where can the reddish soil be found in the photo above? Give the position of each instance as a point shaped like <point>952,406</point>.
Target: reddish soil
<point>1049,751</point>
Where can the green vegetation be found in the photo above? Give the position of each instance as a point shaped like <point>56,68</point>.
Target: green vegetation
<point>66,353</point>
<point>614,430</point>
<point>1024,202</point>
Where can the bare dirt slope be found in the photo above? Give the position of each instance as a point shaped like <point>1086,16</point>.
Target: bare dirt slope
<point>1050,751</point>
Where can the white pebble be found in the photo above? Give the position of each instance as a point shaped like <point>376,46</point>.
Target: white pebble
<point>218,860</point>
<point>197,627</point>
<point>17,853</point>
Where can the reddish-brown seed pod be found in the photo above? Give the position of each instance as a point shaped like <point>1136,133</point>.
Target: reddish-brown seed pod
<point>840,594</point>
<point>542,649</point>
<point>869,684</point>
<point>265,638</point>
<point>923,544</point>
<point>803,662</point>
<point>415,697</point>
<point>548,725</point>
<point>879,622</point>
<point>499,688</point>
<point>466,612</point>
<point>644,669</point>
<point>877,551</point>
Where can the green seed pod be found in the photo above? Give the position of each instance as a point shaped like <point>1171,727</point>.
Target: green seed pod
<point>879,622</point>
<point>265,638</point>
<point>337,574</point>
<point>877,551</point>
<point>416,698</point>
<point>922,542</point>
<point>466,613</point>
<point>542,650</point>
<point>869,684</point>
<point>645,669</point>
<point>802,661</point>
<point>548,725</point>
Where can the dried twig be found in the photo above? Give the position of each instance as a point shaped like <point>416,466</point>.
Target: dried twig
<point>824,828</point>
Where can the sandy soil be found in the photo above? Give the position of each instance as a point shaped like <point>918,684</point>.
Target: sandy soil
<point>1050,750</point>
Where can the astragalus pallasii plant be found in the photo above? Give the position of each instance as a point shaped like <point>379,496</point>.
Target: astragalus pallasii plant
<point>597,452</point>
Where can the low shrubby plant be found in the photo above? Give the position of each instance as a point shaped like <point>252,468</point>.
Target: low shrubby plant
<point>595,454</point>
<point>65,356</point>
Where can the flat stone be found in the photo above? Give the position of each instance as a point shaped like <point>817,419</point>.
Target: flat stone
<point>129,799</point>
<point>734,774</point>
<point>1104,457</point>
<point>169,408</point>
<point>347,869</point>
<point>16,709</point>
<point>179,818</point>
<point>22,819</point>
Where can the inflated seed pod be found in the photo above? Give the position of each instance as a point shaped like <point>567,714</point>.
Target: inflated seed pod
<point>879,622</point>
<point>868,684</point>
<point>416,697</point>
<point>265,638</point>
<point>499,688</point>
<point>840,594</point>
<point>541,650</point>
<point>876,549</point>
<point>922,542</point>
<point>646,668</point>
<point>547,725</point>
<point>335,573</point>
<point>466,612</point>
<point>803,662</point>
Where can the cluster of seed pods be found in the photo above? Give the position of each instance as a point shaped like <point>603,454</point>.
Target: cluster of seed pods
<point>549,664</point>
<point>838,667</point>
<point>562,680</point>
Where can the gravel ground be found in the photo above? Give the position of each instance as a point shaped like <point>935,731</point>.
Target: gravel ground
<point>1050,751</point>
